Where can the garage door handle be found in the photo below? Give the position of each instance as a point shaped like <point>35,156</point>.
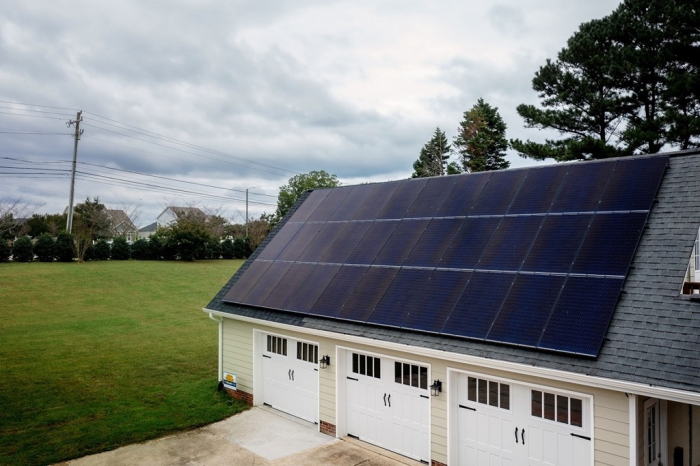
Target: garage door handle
<point>467,407</point>
<point>385,399</point>
<point>351,378</point>
<point>292,376</point>
<point>516,435</point>
<point>390,401</point>
<point>266,356</point>
<point>289,374</point>
<point>581,436</point>
<point>522,436</point>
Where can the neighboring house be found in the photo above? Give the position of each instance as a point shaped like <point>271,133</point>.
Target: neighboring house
<point>171,213</point>
<point>121,225</point>
<point>527,316</point>
<point>148,230</point>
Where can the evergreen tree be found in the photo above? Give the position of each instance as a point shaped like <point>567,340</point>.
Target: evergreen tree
<point>64,247</point>
<point>5,250</point>
<point>121,250</point>
<point>23,250</point>
<point>139,250</point>
<point>101,250</point>
<point>155,247</point>
<point>227,249</point>
<point>481,139</point>
<point>433,157</point>
<point>45,248</point>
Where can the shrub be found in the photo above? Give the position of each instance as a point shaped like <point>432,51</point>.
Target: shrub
<point>23,250</point>
<point>155,248</point>
<point>227,249</point>
<point>64,247</point>
<point>214,247</point>
<point>5,251</point>
<point>169,250</point>
<point>100,250</point>
<point>139,250</point>
<point>45,248</point>
<point>120,250</point>
<point>239,248</point>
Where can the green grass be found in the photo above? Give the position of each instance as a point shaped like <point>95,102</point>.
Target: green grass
<point>102,354</point>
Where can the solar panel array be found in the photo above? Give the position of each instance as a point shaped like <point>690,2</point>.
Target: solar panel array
<point>534,257</point>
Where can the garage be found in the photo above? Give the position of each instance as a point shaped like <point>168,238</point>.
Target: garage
<point>290,376</point>
<point>500,422</point>
<point>388,403</point>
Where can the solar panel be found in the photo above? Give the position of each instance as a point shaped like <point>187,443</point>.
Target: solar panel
<point>526,309</point>
<point>367,294</point>
<point>431,247</point>
<point>372,243</point>
<point>582,187</point>
<point>401,242</point>
<point>405,194</point>
<point>330,204</point>
<point>498,193</point>
<point>510,243</point>
<point>479,304</point>
<point>633,184</point>
<point>308,207</point>
<point>325,237</point>
<point>338,291</point>
<point>432,197</point>
<point>400,297</point>
<point>533,257</point>
<point>582,314</point>
<point>469,243</point>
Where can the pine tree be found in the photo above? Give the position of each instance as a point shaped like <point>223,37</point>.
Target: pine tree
<point>481,139</point>
<point>432,160</point>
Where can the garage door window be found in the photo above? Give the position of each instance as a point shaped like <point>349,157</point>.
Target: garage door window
<point>411,375</point>
<point>366,365</point>
<point>488,392</point>
<point>559,408</point>
<point>277,345</point>
<point>307,352</point>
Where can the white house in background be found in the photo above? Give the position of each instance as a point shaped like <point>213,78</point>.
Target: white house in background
<point>122,225</point>
<point>171,213</point>
<point>148,230</point>
<point>529,317</point>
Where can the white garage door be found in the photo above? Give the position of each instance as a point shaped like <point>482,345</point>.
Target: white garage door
<point>290,376</point>
<point>388,404</point>
<point>500,423</point>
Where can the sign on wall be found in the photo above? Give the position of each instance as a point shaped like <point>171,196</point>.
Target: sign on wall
<point>230,381</point>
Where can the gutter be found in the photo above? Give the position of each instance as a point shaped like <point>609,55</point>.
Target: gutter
<point>220,320</point>
<point>635,388</point>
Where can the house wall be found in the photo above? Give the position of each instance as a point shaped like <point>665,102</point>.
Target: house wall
<point>166,218</point>
<point>610,409</point>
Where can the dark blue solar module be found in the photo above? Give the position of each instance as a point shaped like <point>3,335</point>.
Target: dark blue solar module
<point>582,315</point>
<point>400,297</point>
<point>432,197</point>
<point>557,243</point>
<point>479,305</point>
<point>285,289</point>
<point>401,242</point>
<point>361,303</point>
<point>372,242</point>
<point>338,291</point>
<point>633,184</point>
<point>582,187</point>
<point>526,309</point>
<point>465,192</point>
<point>346,242</point>
<point>325,238</point>
<point>437,300</point>
<point>510,243</point>
<point>308,207</point>
<point>432,245</point>
<point>538,190</point>
<point>498,193</point>
<point>469,243</point>
<point>330,204</point>
<point>374,204</point>
<point>301,241</point>
<point>610,244</point>
<point>356,198</point>
<point>534,257</point>
<point>403,198</point>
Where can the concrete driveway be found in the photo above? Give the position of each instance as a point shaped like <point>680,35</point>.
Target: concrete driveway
<point>259,436</point>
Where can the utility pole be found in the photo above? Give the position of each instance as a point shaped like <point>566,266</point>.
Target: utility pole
<point>246,212</point>
<point>78,132</point>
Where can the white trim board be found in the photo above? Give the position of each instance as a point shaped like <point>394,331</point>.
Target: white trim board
<point>670,394</point>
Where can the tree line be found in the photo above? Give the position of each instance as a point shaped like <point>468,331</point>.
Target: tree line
<point>625,84</point>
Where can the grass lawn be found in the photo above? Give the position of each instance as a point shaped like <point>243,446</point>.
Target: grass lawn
<point>102,354</point>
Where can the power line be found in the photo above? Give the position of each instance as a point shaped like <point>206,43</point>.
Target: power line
<point>35,111</point>
<point>36,133</point>
<point>37,105</point>
<point>32,116</point>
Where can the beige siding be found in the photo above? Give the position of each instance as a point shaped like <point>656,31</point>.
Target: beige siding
<point>610,409</point>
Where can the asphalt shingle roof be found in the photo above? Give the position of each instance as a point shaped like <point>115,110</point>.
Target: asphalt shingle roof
<point>654,332</point>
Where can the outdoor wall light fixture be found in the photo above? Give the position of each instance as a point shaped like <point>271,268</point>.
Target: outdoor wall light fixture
<point>325,361</point>
<point>436,388</point>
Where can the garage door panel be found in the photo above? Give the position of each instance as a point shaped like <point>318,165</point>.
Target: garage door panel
<point>534,443</point>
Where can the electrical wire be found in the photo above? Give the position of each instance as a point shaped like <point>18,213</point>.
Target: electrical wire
<point>37,105</point>
<point>33,116</point>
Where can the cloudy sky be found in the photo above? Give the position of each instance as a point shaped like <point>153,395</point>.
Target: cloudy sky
<point>211,97</point>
